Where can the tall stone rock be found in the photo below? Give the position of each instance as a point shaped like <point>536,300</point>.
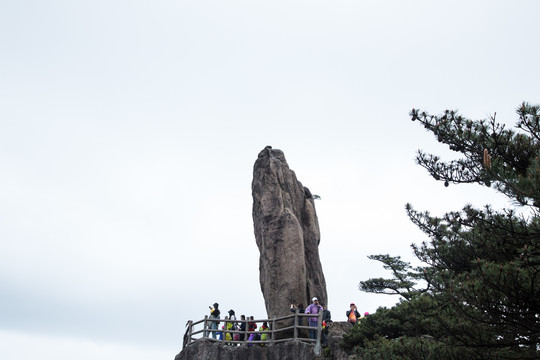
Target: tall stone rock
<point>287,234</point>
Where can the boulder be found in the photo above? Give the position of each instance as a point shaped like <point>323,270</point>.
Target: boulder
<point>336,331</point>
<point>287,235</point>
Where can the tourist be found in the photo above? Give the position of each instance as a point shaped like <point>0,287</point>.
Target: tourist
<point>264,327</point>
<point>314,308</point>
<point>352,315</point>
<point>327,319</point>
<point>220,333</point>
<point>214,314</point>
<point>326,315</point>
<point>363,316</point>
<point>236,335</point>
<point>300,309</point>
<point>252,326</point>
<point>231,325</point>
<point>242,328</point>
<point>232,315</point>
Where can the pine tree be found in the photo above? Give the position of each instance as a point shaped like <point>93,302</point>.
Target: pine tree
<point>477,294</point>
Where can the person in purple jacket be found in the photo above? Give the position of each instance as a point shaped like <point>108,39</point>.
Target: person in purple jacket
<point>314,308</point>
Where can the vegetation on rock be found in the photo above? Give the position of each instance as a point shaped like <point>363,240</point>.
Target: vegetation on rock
<point>477,293</point>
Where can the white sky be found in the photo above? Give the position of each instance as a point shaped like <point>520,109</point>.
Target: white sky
<point>129,130</point>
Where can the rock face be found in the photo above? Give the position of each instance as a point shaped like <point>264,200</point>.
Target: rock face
<point>209,350</point>
<point>336,331</point>
<point>206,349</point>
<point>287,234</point>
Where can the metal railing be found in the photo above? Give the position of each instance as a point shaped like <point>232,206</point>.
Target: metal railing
<point>275,327</point>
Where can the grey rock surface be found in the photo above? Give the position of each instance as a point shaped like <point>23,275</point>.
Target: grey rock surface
<point>336,331</point>
<point>287,235</point>
<point>206,349</point>
<point>209,350</point>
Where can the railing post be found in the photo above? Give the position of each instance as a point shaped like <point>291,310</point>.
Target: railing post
<point>317,349</point>
<point>272,336</point>
<point>224,330</point>
<point>187,340</point>
<point>296,324</point>
<point>246,331</point>
<point>205,326</point>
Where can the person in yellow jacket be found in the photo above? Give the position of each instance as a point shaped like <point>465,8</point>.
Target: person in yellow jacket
<point>230,325</point>
<point>264,327</point>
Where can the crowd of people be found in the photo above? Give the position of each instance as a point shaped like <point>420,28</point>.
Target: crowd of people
<point>236,331</point>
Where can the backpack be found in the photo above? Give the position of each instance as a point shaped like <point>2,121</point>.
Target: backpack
<point>352,317</point>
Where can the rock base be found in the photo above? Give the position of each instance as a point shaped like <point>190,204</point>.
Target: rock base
<point>206,349</point>
<point>211,350</point>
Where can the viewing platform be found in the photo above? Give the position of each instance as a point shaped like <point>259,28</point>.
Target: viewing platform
<point>277,332</point>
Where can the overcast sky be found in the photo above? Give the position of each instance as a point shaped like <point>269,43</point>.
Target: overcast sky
<point>129,130</point>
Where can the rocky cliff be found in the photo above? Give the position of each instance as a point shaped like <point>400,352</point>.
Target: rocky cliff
<point>206,349</point>
<point>287,234</point>
<point>209,350</point>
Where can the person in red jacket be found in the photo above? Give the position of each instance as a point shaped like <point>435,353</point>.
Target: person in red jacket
<point>252,326</point>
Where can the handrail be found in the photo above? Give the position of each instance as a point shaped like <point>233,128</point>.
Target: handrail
<point>270,332</point>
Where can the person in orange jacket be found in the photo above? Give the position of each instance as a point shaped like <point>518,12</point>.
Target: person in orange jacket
<point>353,315</point>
